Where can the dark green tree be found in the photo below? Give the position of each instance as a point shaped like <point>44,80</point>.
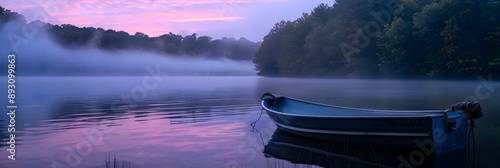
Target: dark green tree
<point>399,48</point>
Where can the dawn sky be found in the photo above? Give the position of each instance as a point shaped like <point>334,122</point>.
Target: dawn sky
<point>251,19</point>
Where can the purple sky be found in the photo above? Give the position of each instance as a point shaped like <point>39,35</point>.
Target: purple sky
<point>251,19</point>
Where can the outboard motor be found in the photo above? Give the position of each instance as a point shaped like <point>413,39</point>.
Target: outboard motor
<point>472,109</point>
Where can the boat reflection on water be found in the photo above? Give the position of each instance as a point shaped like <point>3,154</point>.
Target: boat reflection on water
<point>304,150</point>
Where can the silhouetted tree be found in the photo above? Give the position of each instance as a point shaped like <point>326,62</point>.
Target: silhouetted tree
<point>416,39</point>
<point>72,36</point>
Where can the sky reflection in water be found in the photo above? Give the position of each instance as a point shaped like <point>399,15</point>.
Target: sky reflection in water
<point>196,121</point>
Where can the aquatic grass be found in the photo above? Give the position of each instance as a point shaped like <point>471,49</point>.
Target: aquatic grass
<point>114,163</point>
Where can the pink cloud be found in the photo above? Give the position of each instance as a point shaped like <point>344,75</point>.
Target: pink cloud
<point>236,18</point>
<point>210,19</point>
<point>153,18</point>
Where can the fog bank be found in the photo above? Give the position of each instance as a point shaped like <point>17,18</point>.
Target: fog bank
<point>39,55</point>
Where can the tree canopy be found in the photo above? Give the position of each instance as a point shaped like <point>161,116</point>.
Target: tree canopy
<point>172,44</point>
<point>439,39</point>
<point>169,44</point>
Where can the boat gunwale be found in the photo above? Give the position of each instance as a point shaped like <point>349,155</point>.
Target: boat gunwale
<point>432,113</point>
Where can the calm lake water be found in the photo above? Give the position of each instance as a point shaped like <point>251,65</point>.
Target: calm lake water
<point>201,121</point>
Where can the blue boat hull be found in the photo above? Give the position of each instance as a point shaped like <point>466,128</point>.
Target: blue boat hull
<point>440,130</point>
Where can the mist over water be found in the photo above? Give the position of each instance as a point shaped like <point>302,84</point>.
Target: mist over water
<point>42,56</point>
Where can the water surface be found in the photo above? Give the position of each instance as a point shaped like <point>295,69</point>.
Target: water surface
<point>199,121</point>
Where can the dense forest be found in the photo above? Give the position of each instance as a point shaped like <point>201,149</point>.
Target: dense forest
<point>437,39</point>
<point>170,44</point>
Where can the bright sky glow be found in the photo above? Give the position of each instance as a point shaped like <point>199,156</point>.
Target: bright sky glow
<point>251,19</point>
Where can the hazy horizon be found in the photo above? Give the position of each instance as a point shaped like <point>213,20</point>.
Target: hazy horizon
<point>41,55</point>
<point>218,18</point>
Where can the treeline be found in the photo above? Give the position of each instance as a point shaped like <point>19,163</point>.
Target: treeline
<point>439,39</point>
<point>8,16</point>
<point>170,44</point>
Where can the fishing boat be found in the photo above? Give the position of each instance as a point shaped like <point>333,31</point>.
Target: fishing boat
<point>438,131</point>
